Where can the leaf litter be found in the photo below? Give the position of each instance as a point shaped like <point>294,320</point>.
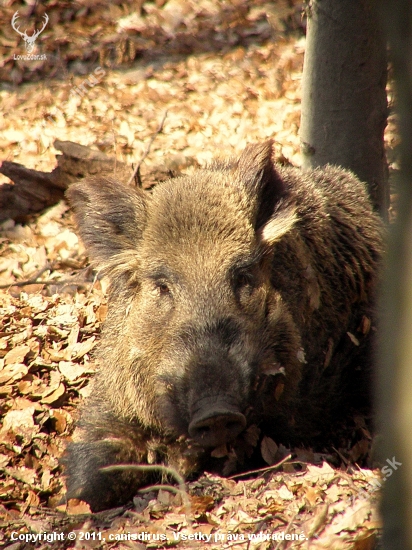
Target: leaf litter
<point>227,73</point>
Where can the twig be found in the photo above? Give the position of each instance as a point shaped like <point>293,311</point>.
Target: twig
<point>49,282</point>
<point>258,527</point>
<point>114,147</point>
<point>319,522</point>
<point>343,459</point>
<point>279,544</point>
<point>136,173</point>
<point>31,281</point>
<point>261,470</point>
<point>34,278</point>
<point>159,488</point>
<point>95,278</point>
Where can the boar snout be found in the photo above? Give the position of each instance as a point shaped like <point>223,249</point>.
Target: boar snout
<point>216,423</point>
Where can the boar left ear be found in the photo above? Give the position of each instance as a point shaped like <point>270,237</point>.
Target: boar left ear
<point>266,192</point>
<point>110,217</point>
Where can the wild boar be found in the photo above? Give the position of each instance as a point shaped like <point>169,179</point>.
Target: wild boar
<point>240,296</point>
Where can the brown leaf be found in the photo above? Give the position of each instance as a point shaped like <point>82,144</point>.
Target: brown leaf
<point>268,448</point>
<point>17,354</point>
<point>21,423</point>
<point>365,325</point>
<point>367,542</point>
<point>6,390</point>
<point>319,520</point>
<point>61,417</point>
<point>101,313</point>
<point>14,420</point>
<point>26,475</point>
<point>4,460</point>
<point>279,390</point>
<point>353,518</point>
<point>320,475</point>
<point>201,504</point>
<point>220,452</point>
<point>353,338</point>
<point>13,371</point>
<point>45,479</point>
<point>81,348</point>
<point>32,499</point>
<point>71,371</point>
<point>251,435</point>
<point>312,495</point>
<point>360,449</point>
<point>285,494</point>
<point>55,395</point>
<point>75,506</point>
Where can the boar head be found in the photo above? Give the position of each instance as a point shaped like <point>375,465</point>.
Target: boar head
<point>194,316</point>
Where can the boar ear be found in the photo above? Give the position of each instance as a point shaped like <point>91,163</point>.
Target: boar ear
<point>110,217</point>
<point>281,222</point>
<point>262,183</point>
<point>266,191</point>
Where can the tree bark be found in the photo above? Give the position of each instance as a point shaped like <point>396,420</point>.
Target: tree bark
<point>395,354</point>
<point>344,106</point>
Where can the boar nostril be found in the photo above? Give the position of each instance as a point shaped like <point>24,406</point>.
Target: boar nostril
<point>232,426</point>
<point>201,432</point>
<point>214,428</point>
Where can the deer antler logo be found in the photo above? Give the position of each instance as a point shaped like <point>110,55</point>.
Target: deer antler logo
<point>29,40</point>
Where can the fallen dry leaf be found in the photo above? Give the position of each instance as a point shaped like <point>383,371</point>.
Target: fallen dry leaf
<point>269,450</point>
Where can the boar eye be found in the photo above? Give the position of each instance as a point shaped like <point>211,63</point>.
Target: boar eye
<point>243,278</point>
<point>163,288</point>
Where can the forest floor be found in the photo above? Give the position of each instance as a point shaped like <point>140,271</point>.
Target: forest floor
<point>220,74</point>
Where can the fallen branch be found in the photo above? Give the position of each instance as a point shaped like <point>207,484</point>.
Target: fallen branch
<point>33,191</point>
<point>49,282</point>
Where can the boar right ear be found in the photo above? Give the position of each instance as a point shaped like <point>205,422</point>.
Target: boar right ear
<point>110,216</point>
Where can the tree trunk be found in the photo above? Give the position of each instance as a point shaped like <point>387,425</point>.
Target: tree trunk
<point>395,354</point>
<point>344,107</point>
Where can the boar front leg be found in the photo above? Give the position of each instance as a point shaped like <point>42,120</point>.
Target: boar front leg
<point>104,440</point>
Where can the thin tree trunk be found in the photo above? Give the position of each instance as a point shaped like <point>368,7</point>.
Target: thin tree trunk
<point>395,354</point>
<point>344,107</point>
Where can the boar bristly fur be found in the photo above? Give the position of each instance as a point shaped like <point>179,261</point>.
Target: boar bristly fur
<point>240,296</point>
